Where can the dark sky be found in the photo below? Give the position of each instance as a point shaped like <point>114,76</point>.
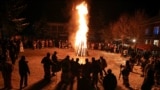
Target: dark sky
<point>58,10</point>
<point>112,9</point>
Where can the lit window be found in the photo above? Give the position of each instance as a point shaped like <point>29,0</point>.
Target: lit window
<point>156,42</point>
<point>156,30</point>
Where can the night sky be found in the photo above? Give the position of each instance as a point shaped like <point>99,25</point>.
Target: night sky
<point>112,9</point>
<point>58,10</point>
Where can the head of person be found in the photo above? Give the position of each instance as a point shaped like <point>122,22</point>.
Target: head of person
<point>48,54</point>
<point>93,59</point>
<point>77,59</point>
<point>23,58</point>
<point>67,57</point>
<point>109,71</point>
<point>86,60</point>
<point>101,57</point>
<point>55,52</point>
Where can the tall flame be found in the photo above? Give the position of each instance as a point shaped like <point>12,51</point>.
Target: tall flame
<point>81,34</point>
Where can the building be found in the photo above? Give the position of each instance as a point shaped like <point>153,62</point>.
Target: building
<point>152,32</point>
<point>58,30</point>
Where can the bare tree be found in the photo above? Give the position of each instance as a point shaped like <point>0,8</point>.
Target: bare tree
<point>120,28</point>
<point>129,26</point>
<point>136,25</point>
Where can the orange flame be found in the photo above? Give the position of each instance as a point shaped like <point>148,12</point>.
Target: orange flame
<point>81,35</point>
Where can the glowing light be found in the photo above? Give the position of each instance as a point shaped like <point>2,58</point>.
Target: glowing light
<point>81,34</point>
<point>133,40</point>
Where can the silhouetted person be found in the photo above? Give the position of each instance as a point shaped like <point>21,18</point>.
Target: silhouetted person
<point>56,64</point>
<point>157,72</point>
<point>103,65</point>
<point>23,71</point>
<point>86,69</point>
<point>12,51</point>
<point>148,81</point>
<point>125,74</point>
<point>84,84</point>
<point>84,80</point>
<point>132,62</point>
<point>95,71</point>
<point>46,61</point>
<point>109,81</point>
<point>143,65</point>
<point>65,75</point>
<point>7,68</point>
<point>75,69</point>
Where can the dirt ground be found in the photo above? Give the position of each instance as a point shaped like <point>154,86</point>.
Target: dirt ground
<point>36,82</point>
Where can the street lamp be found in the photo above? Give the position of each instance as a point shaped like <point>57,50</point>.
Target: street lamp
<point>134,40</point>
<point>134,43</point>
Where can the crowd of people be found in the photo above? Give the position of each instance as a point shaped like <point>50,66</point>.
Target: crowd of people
<point>150,69</point>
<point>7,67</point>
<point>9,53</point>
<point>87,75</point>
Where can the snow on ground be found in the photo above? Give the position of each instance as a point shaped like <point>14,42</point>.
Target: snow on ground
<point>35,82</point>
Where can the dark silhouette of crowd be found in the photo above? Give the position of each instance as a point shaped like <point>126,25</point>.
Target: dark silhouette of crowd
<point>6,69</point>
<point>87,75</point>
<point>150,68</point>
<point>10,49</point>
<point>8,55</point>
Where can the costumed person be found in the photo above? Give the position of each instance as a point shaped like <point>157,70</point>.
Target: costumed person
<point>21,47</point>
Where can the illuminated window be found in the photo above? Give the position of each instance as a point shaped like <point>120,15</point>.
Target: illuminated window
<point>156,30</point>
<point>156,42</point>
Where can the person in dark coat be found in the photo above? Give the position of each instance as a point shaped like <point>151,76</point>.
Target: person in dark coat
<point>46,61</point>
<point>65,75</point>
<point>56,64</point>
<point>7,69</point>
<point>84,81</point>
<point>103,65</point>
<point>110,81</point>
<point>125,71</point>
<point>148,81</point>
<point>95,72</point>
<point>75,71</point>
<point>23,71</point>
<point>12,51</point>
